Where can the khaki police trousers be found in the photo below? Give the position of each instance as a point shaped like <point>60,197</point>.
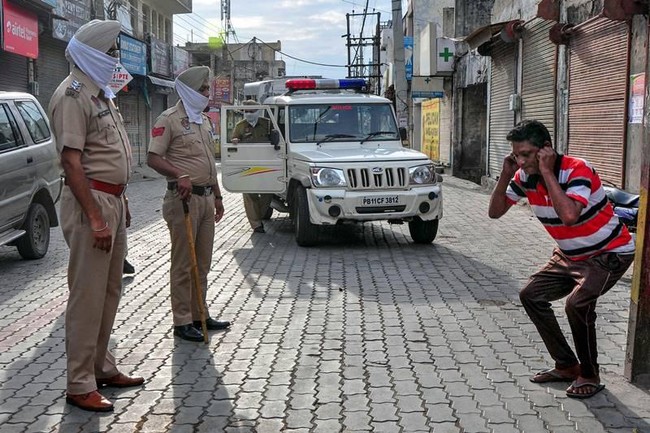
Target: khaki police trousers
<point>256,206</point>
<point>184,306</point>
<point>95,285</point>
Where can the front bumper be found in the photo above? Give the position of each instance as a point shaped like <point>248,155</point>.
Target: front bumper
<point>328,206</point>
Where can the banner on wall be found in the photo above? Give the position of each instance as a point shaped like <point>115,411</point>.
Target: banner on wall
<point>430,144</point>
<point>76,14</point>
<point>408,57</point>
<point>133,55</point>
<point>20,31</point>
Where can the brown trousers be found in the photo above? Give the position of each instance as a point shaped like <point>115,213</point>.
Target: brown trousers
<point>95,284</point>
<point>583,282</point>
<point>256,206</point>
<point>184,306</point>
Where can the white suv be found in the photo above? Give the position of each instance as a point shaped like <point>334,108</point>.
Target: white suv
<point>333,155</point>
<point>30,180</point>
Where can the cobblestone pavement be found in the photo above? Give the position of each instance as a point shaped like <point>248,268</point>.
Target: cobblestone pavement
<point>365,333</point>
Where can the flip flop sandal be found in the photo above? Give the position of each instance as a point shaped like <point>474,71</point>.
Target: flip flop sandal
<point>597,387</point>
<point>551,375</point>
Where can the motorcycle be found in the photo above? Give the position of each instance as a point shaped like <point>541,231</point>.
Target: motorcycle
<point>626,205</point>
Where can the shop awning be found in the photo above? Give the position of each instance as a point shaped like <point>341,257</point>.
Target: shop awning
<point>483,34</point>
<point>161,81</point>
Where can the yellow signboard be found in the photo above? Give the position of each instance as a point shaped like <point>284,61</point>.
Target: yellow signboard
<point>431,129</point>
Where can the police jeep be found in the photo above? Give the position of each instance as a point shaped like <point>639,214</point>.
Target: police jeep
<point>334,155</point>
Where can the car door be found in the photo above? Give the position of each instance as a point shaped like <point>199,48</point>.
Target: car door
<point>253,164</point>
<point>16,170</point>
<point>43,150</point>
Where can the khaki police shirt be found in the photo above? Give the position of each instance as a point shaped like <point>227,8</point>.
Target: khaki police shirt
<point>82,120</point>
<point>186,145</point>
<point>249,134</point>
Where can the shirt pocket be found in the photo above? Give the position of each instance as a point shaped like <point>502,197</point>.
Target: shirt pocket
<point>108,129</point>
<point>193,145</point>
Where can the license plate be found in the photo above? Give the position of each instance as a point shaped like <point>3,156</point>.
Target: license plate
<point>380,201</point>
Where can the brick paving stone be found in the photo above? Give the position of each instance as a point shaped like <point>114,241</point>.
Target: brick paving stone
<point>386,427</point>
<point>211,424</point>
<point>381,412</point>
<point>531,423</point>
<point>413,422</point>
<point>299,418</point>
<point>267,426</point>
<point>441,413</point>
<point>273,409</point>
<point>156,423</point>
<point>356,421</point>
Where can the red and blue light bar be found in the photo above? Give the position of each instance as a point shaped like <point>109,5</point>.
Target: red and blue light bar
<point>325,84</point>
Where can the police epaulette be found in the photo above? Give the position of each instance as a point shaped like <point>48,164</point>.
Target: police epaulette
<point>73,89</point>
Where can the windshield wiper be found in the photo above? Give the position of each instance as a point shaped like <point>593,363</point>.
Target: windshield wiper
<point>316,123</point>
<point>330,137</point>
<point>374,134</point>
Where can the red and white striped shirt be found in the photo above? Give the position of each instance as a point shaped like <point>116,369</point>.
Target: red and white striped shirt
<point>598,229</point>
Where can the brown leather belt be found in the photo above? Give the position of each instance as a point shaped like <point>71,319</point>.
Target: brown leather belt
<point>109,188</point>
<point>196,189</point>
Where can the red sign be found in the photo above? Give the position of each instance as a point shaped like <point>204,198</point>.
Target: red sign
<point>20,31</point>
<point>219,91</point>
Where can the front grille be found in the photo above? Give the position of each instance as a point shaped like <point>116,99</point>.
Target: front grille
<point>364,178</point>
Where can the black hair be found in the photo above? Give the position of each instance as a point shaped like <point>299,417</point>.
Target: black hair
<point>533,131</point>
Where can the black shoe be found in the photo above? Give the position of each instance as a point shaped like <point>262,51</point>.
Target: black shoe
<point>128,268</point>
<point>213,325</point>
<point>259,229</point>
<point>188,332</point>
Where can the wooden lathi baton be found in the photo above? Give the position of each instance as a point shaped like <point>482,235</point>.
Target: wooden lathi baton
<point>196,279</point>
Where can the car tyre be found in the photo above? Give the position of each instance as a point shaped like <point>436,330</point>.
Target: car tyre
<point>34,243</point>
<point>306,232</point>
<point>423,232</point>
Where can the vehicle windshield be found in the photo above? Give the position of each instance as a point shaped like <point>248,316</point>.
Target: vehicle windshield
<point>341,122</point>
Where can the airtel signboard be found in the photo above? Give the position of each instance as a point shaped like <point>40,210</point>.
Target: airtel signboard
<point>20,31</point>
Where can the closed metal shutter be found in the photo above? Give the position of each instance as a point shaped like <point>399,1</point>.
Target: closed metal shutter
<point>539,75</point>
<point>13,77</point>
<point>502,119</point>
<point>51,67</point>
<point>134,112</point>
<point>598,80</point>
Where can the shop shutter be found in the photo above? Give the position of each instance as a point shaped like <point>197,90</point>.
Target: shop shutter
<point>51,67</point>
<point>539,75</point>
<point>598,77</point>
<point>14,72</point>
<point>502,119</point>
<point>133,111</point>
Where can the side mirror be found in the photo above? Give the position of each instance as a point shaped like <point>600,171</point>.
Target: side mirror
<point>274,136</point>
<point>402,133</point>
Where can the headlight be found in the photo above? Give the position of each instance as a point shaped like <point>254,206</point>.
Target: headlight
<point>327,177</point>
<point>422,174</point>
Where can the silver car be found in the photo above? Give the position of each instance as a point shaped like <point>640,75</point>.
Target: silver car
<point>30,177</point>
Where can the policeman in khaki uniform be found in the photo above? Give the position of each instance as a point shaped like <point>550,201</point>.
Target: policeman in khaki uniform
<point>96,158</point>
<point>181,148</point>
<point>254,129</point>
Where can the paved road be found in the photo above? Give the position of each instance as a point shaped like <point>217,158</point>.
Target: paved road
<point>367,332</point>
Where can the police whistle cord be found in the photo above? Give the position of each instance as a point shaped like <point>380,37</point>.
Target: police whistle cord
<point>196,279</point>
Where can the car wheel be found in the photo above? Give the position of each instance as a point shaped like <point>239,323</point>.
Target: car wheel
<point>306,232</point>
<point>423,232</point>
<point>34,243</point>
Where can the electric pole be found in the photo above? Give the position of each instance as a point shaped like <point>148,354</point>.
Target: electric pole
<point>399,78</point>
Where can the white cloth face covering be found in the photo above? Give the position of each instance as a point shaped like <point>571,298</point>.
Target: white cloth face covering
<point>193,101</point>
<point>97,65</point>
